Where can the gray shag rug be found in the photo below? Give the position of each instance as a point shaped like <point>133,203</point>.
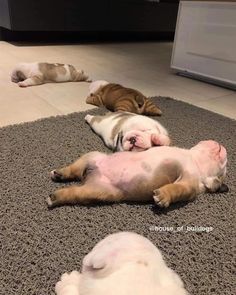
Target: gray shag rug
<point>38,245</point>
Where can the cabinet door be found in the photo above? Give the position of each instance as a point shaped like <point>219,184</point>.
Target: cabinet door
<point>143,15</point>
<point>87,15</point>
<point>29,15</point>
<point>205,40</point>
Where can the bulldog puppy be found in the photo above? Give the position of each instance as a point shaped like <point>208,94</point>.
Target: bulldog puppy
<point>30,74</point>
<point>165,174</point>
<point>122,263</point>
<point>123,131</point>
<point>119,98</point>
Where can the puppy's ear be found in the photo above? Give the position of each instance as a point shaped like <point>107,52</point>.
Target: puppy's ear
<point>160,139</point>
<point>140,100</point>
<point>94,100</point>
<point>212,184</point>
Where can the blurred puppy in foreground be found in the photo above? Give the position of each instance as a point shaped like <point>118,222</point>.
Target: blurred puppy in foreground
<point>30,74</point>
<point>123,263</point>
<point>119,98</point>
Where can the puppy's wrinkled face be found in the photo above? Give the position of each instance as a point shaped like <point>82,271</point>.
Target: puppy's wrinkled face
<point>212,160</point>
<point>137,140</point>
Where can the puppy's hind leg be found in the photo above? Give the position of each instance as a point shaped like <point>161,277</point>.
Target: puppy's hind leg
<point>69,284</point>
<point>75,170</point>
<point>35,80</point>
<point>84,194</point>
<point>175,192</point>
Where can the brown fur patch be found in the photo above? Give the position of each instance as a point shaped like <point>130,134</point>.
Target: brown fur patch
<point>116,129</point>
<point>50,71</point>
<point>118,98</point>
<point>20,75</point>
<point>141,188</point>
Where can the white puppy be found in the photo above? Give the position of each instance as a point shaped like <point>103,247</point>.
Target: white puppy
<point>30,74</point>
<point>124,131</point>
<point>124,263</point>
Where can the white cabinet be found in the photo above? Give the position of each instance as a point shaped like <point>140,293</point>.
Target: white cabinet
<point>205,41</point>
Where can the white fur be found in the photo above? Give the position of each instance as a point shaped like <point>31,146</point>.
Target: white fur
<point>138,126</point>
<point>66,77</point>
<point>94,86</point>
<point>31,70</point>
<point>28,69</point>
<point>122,264</point>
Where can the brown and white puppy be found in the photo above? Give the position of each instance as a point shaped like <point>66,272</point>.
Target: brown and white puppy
<point>123,131</point>
<point>165,174</point>
<point>122,263</point>
<point>30,74</point>
<point>119,98</point>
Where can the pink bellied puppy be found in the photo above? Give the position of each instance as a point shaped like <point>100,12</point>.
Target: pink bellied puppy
<point>165,174</point>
<point>124,263</point>
<point>30,74</point>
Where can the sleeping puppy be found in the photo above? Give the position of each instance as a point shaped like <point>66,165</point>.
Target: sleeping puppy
<point>165,174</point>
<point>118,98</point>
<point>30,74</point>
<point>123,131</point>
<point>122,263</point>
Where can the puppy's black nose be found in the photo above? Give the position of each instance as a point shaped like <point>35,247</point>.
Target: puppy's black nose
<point>223,188</point>
<point>132,140</point>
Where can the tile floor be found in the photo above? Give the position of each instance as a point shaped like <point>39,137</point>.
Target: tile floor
<point>145,66</point>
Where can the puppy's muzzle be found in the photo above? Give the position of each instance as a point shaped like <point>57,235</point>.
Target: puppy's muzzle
<point>132,140</point>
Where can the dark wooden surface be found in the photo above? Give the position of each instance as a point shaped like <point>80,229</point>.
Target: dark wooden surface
<point>89,15</point>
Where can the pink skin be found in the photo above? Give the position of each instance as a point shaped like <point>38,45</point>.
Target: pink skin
<point>207,157</point>
<point>213,151</point>
<point>137,140</point>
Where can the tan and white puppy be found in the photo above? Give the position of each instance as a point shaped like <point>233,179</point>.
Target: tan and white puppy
<point>123,131</point>
<point>116,98</point>
<point>165,174</point>
<point>30,74</point>
<point>122,263</point>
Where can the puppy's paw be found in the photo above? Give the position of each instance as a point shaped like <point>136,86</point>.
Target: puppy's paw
<point>69,284</point>
<point>161,199</point>
<point>56,175</point>
<point>52,200</point>
<point>22,84</point>
<point>88,118</point>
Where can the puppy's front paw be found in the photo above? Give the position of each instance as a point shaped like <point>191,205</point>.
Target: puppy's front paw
<point>69,284</point>
<point>88,118</point>
<point>52,200</point>
<point>22,84</point>
<point>161,198</point>
<point>56,175</point>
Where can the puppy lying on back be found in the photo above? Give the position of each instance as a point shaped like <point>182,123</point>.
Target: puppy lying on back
<point>29,74</point>
<point>123,263</point>
<point>118,98</point>
<point>165,174</point>
<point>123,131</point>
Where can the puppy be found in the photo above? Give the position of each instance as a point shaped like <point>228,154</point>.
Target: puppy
<point>122,263</point>
<point>165,174</point>
<point>123,131</point>
<point>30,74</point>
<point>118,98</point>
